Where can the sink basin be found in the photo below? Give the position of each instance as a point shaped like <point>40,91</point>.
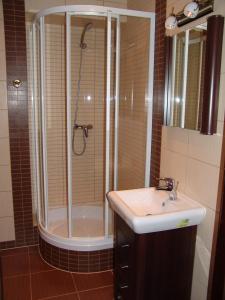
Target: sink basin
<point>149,210</point>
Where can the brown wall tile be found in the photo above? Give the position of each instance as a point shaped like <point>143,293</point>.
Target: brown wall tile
<point>158,95</point>
<point>15,43</point>
<point>76,261</point>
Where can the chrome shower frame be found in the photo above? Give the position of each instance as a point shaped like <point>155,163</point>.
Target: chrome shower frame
<point>109,13</point>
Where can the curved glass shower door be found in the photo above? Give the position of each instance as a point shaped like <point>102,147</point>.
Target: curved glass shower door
<point>93,123</point>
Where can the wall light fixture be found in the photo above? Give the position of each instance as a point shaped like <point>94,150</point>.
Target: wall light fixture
<point>192,10</point>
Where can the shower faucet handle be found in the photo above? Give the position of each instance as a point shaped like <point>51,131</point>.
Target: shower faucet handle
<point>84,127</point>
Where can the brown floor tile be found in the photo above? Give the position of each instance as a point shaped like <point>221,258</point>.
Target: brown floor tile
<point>50,284</point>
<point>17,288</point>
<point>98,294</point>
<point>14,251</point>
<point>65,297</point>
<point>37,264</point>
<point>33,249</point>
<point>15,264</point>
<point>90,281</point>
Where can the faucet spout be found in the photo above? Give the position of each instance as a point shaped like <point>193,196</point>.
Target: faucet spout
<point>170,185</point>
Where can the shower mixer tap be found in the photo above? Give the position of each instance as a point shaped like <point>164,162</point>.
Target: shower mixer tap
<point>84,127</point>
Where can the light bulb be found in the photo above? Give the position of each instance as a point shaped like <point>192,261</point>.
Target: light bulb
<point>171,22</point>
<point>191,10</point>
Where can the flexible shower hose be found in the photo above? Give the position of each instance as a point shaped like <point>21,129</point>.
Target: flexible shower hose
<point>76,112</point>
<point>84,142</point>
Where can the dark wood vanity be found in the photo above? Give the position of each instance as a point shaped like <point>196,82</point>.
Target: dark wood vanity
<point>153,266</point>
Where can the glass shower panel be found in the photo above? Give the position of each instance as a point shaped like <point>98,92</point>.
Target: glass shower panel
<point>55,111</point>
<point>88,70</point>
<point>133,105</point>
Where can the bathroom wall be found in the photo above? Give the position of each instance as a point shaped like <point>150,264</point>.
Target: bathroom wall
<point>7,232</point>
<point>141,5</point>
<point>194,160</point>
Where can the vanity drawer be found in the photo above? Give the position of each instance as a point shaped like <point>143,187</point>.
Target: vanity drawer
<point>123,253</point>
<point>122,292</point>
<point>123,274</point>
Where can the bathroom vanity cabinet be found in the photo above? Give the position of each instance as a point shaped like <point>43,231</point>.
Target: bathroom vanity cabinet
<point>153,266</point>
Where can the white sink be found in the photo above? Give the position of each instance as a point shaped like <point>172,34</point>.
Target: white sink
<point>149,210</point>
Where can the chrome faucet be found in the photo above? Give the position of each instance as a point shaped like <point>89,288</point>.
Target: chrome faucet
<point>170,185</point>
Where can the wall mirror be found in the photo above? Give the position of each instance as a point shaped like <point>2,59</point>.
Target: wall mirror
<point>187,78</point>
<point>193,61</point>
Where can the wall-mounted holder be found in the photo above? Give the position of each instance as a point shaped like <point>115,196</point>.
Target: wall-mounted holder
<point>17,83</point>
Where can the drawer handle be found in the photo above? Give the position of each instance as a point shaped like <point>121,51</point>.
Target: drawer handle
<point>124,267</point>
<point>125,246</point>
<point>123,287</point>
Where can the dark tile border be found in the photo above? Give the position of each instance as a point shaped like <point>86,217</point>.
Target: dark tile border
<point>76,261</point>
<point>158,92</point>
<point>16,68</point>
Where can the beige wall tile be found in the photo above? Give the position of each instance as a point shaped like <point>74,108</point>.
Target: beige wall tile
<point>174,165</point>
<point>6,204</point>
<point>5,178</point>
<point>2,37</point>
<point>3,95</point>
<point>199,290</point>
<point>4,151</point>
<point>116,3</point>
<point>223,59</point>
<point>205,231</point>
<point>205,148</point>
<point>4,126</point>
<point>3,65</point>
<point>141,5</point>
<point>202,182</point>
<point>201,271</point>
<point>175,139</point>
<point>201,262</point>
<point>34,6</point>
<point>85,2</point>
<point>7,231</point>
<point>221,109</point>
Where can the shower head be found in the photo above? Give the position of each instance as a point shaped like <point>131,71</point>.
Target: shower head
<point>87,27</point>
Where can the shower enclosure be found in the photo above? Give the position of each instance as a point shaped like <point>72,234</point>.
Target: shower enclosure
<point>92,117</point>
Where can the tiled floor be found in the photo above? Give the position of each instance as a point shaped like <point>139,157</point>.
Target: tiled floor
<point>26,276</point>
